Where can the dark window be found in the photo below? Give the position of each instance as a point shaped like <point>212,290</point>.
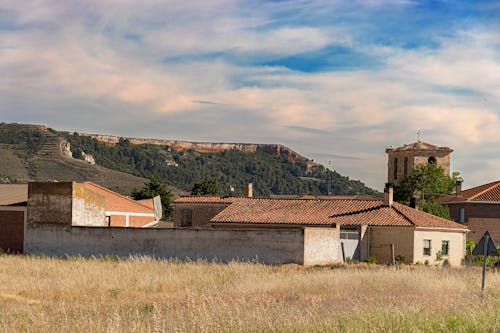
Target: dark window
<point>432,160</point>
<point>406,166</point>
<point>349,234</point>
<point>187,218</point>
<point>395,168</point>
<point>108,221</point>
<point>445,247</point>
<point>427,247</point>
<point>462,215</point>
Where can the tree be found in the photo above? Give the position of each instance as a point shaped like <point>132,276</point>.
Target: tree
<point>208,186</point>
<point>427,182</point>
<point>153,188</point>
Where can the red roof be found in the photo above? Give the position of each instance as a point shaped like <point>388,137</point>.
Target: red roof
<point>205,199</point>
<point>117,202</point>
<point>419,145</point>
<point>327,212</point>
<point>397,215</point>
<point>486,192</point>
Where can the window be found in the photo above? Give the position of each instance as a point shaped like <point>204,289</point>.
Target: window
<point>427,247</point>
<point>432,160</point>
<point>406,166</point>
<point>462,215</point>
<point>395,168</point>
<point>445,247</point>
<point>108,221</point>
<point>186,217</point>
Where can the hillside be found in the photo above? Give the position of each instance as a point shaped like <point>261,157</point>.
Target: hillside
<point>273,169</point>
<point>36,153</point>
<point>31,152</point>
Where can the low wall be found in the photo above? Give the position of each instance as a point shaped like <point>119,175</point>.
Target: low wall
<point>266,246</point>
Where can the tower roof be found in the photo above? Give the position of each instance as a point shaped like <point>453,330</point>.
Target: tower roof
<point>419,145</point>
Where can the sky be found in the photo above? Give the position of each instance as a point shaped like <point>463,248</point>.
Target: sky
<point>337,81</point>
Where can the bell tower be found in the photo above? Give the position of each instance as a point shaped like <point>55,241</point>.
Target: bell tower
<point>402,160</point>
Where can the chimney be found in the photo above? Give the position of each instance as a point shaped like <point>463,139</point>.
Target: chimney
<point>388,194</point>
<point>458,190</point>
<point>249,190</point>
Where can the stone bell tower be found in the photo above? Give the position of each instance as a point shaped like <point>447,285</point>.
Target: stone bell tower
<point>402,160</point>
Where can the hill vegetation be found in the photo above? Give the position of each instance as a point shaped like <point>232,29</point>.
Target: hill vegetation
<point>34,153</point>
<point>232,169</point>
<point>38,153</point>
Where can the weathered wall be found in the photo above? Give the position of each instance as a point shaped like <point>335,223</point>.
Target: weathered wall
<point>479,217</point>
<point>267,246</point>
<point>321,246</point>
<point>50,202</point>
<point>381,239</point>
<point>87,207</point>
<point>202,213</point>
<point>456,246</point>
<point>12,229</point>
<point>415,158</point>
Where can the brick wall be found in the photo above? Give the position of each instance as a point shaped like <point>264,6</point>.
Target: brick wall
<point>12,229</point>
<point>479,217</point>
<point>201,213</point>
<point>381,239</point>
<point>415,158</point>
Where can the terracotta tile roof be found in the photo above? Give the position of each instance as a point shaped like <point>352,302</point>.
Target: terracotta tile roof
<point>117,202</point>
<point>12,194</point>
<point>486,192</point>
<point>397,215</point>
<point>327,212</point>
<point>205,199</point>
<point>289,211</point>
<point>419,145</point>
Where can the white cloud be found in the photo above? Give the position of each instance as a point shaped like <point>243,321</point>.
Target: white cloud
<point>451,92</point>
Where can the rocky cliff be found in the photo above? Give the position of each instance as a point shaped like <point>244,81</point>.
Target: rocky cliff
<point>204,147</point>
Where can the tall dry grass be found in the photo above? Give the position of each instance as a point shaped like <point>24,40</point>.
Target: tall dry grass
<point>143,295</point>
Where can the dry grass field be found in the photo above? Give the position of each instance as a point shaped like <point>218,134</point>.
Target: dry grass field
<point>143,295</point>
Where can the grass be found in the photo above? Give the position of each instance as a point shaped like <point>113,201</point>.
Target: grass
<point>143,295</point>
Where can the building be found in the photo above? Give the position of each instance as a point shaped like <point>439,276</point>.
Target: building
<point>13,201</point>
<point>478,208</point>
<point>402,160</point>
<point>77,204</point>
<point>121,211</point>
<point>367,226</point>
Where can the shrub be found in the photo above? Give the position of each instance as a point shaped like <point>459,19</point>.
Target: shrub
<point>400,258</point>
<point>372,260</point>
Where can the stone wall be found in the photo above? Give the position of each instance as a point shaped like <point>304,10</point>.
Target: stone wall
<point>381,239</point>
<point>201,213</point>
<point>300,246</point>
<point>415,158</point>
<point>479,217</point>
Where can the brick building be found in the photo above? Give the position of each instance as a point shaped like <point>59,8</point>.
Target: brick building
<point>13,200</point>
<point>77,204</point>
<point>368,226</point>
<point>478,208</point>
<point>402,160</point>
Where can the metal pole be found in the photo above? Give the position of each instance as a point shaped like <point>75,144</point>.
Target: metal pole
<point>393,258</point>
<point>485,252</point>
<point>343,251</point>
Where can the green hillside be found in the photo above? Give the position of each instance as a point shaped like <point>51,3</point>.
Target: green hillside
<point>34,153</point>
<point>232,169</point>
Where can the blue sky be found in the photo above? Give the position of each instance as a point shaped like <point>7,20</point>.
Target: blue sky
<point>335,80</point>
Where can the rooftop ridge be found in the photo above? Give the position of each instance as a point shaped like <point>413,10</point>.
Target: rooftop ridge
<point>117,194</point>
<point>488,187</point>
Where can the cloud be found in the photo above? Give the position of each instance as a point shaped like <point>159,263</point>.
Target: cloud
<point>319,76</point>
